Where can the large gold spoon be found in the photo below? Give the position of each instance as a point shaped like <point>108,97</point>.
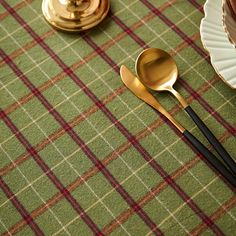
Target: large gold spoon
<point>158,71</point>
<point>133,83</point>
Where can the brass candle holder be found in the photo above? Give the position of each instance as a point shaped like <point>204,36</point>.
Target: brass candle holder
<point>75,15</point>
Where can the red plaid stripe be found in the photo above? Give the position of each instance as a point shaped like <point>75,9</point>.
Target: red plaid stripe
<point>20,208</point>
<point>48,172</point>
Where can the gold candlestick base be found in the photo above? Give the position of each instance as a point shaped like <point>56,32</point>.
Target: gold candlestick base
<point>75,15</point>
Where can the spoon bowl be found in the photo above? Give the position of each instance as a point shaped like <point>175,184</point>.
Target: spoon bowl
<point>157,69</point>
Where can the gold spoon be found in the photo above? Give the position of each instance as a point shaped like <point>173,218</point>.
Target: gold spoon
<point>158,71</point>
<point>134,84</point>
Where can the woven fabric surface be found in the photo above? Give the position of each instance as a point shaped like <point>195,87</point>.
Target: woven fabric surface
<point>81,155</point>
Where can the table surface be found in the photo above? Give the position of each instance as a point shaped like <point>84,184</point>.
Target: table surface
<point>80,154</point>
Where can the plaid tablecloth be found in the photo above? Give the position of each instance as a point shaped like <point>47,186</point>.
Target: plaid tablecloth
<point>80,154</point>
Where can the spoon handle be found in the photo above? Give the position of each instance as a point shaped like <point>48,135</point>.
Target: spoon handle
<point>212,139</point>
<point>210,157</point>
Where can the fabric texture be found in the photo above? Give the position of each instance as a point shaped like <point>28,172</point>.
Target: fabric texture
<point>81,155</point>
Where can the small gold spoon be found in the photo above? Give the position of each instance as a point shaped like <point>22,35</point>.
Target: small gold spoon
<point>158,71</point>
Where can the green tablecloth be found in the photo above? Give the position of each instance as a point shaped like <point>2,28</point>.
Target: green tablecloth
<point>80,154</point>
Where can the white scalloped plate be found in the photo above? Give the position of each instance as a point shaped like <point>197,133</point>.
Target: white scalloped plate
<point>216,42</point>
